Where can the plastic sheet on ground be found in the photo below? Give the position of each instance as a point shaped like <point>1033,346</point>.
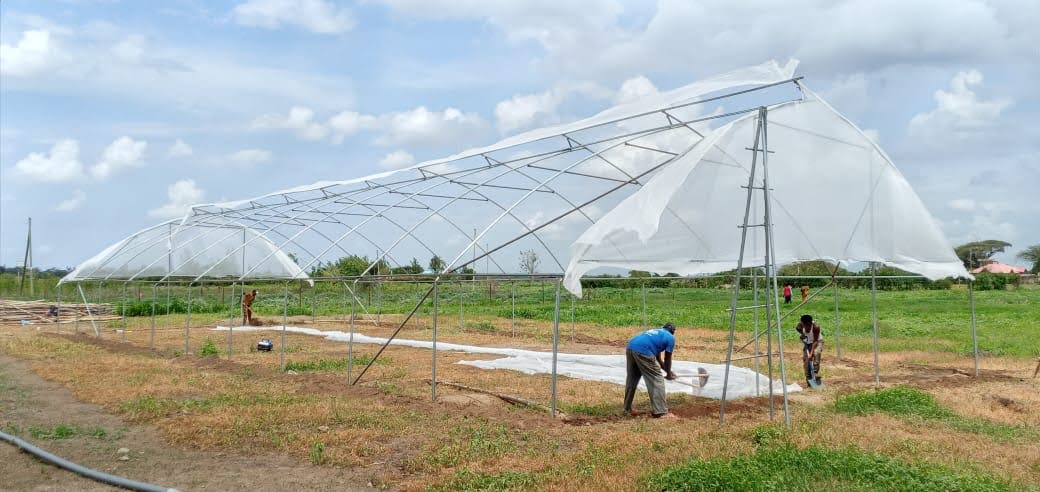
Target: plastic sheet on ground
<point>608,368</point>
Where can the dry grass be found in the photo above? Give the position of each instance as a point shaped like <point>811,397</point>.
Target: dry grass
<point>388,422</point>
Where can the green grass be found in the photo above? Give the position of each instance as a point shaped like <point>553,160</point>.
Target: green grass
<point>813,469</point>
<point>469,481</point>
<point>360,360</point>
<point>149,407</point>
<point>594,410</point>
<point>912,403</point>
<point>67,431</point>
<point>209,348</point>
<point>910,317</point>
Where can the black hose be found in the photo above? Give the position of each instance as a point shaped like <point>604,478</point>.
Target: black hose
<point>58,461</point>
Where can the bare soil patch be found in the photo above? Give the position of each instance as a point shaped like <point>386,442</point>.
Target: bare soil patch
<point>29,401</point>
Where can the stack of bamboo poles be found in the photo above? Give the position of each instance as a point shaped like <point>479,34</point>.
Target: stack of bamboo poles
<point>39,312</point>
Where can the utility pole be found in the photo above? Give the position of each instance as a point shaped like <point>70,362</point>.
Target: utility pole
<point>27,264</point>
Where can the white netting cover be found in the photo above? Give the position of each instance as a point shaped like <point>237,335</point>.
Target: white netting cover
<point>177,250</point>
<point>836,196</point>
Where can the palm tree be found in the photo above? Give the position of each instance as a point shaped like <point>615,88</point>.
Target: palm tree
<point>1032,254</point>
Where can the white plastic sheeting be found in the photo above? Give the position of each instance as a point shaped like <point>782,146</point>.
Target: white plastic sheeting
<point>607,368</point>
<point>836,196</point>
<point>536,191</point>
<point>172,250</point>
<point>766,73</point>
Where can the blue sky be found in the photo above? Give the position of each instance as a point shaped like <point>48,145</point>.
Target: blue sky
<point>115,115</point>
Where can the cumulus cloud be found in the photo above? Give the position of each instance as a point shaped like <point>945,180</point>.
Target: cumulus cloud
<point>523,110</point>
<point>250,157</point>
<point>599,36</point>
<point>634,88</point>
<point>72,203</point>
<point>123,153</point>
<point>348,123</point>
<point>179,149</point>
<point>182,194</point>
<point>960,111</point>
<point>396,160</point>
<point>60,165</point>
<point>300,120</point>
<point>526,110</point>
<point>421,126</point>
<point>34,53</point>
<point>848,94</point>
<point>317,16</point>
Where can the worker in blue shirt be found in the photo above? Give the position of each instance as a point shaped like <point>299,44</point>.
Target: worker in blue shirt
<point>643,359</point>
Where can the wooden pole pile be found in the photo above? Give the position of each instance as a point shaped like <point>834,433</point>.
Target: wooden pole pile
<point>39,312</point>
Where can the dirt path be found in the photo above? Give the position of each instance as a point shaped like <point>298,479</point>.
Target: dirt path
<point>30,404</point>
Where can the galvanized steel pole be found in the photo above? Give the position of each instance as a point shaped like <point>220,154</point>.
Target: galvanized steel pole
<point>873,311</point>
<point>433,378</point>
<point>556,343</point>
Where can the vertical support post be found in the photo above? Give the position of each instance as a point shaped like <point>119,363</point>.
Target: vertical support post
<point>350,340</point>
<point>86,305</point>
<point>556,344</point>
<point>772,297</point>
<point>740,266</point>
<point>462,307</point>
<point>433,375</point>
<point>837,318</point>
<point>572,318</point>
<point>974,338</point>
<point>285,317</point>
<point>314,302</point>
<point>124,312</point>
<point>512,316</point>
<point>873,311</point>
<point>645,325</point>
<point>754,302</point>
<point>231,320</point>
<point>379,301</point>
<point>187,324</point>
<point>57,317</point>
<point>151,333</point>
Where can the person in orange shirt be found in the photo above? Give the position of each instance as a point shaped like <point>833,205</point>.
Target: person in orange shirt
<point>247,307</point>
<point>805,292</point>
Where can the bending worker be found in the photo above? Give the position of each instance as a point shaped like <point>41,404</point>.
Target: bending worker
<point>643,359</point>
<point>809,332</point>
<point>247,307</point>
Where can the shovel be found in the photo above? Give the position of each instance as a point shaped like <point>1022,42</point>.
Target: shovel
<point>698,381</point>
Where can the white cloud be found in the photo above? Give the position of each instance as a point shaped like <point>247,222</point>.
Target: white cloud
<point>179,149</point>
<point>250,157</point>
<point>300,119</point>
<point>396,160</point>
<point>182,194</point>
<point>635,88</point>
<point>317,16</point>
<point>848,94</point>
<point>33,54</point>
<point>130,49</point>
<point>605,36</point>
<point>960,111</point>
<point>526,110</point>
<point>73,202</point>
<point>60,165</point>
<point>123,153</point>
<point>348,123</point>
<point>962,204</point>
<point>421,126</point>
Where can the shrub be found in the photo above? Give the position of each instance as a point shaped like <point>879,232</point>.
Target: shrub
<point>209,348</point>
